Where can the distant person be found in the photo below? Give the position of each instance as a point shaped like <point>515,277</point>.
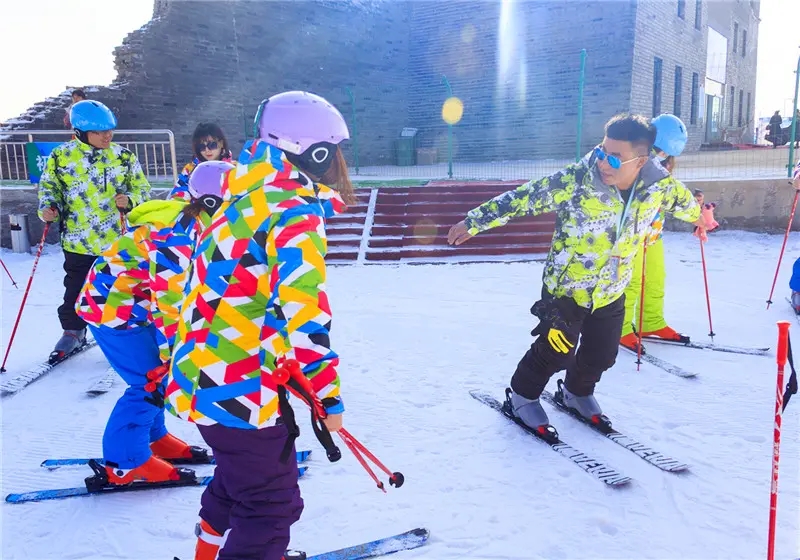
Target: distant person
<point>86,185</point>
<point>77,95</point>
<point>774,129</point>
<point>209,144</point>
<point>796,128</point>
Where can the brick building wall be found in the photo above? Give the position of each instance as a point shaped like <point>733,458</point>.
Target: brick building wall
<point>660,32</point>
<point>518,74</point>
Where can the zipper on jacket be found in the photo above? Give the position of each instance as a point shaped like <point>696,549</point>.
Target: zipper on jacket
<point>566,268</point>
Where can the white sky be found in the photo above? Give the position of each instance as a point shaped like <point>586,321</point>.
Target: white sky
<point>51,44</point>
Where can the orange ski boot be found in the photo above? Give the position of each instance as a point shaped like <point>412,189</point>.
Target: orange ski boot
<point>209,541</point>
<point>667,333</point>
<point>173,449</point>
<point>153,470</point>
<point>631,342</point>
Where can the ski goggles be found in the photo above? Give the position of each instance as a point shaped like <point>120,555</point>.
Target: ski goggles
<point>213,145</point>
<point>613,161</point>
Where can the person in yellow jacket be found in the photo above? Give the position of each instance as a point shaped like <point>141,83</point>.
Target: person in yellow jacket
<point>671,138</point>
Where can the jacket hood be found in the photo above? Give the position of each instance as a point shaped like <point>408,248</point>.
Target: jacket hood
<point>156,212</point>
<point>260,163</point>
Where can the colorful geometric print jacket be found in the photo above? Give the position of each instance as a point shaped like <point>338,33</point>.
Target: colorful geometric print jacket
<point>181,189</point>
<point>140,279</point>
<point>591,224</point>
<point>81,182</point>
<point>257,297</point>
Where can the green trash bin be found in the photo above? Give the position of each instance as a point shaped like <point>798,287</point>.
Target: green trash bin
<point>406,147</point>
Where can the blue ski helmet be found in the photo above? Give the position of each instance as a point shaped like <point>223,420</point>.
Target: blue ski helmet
<point>671,135</point>
<point>90,115</point>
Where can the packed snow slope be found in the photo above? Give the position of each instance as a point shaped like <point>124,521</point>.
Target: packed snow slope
<point>414,340</point>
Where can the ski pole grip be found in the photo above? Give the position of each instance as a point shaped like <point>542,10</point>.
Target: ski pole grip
<point>783,343</point>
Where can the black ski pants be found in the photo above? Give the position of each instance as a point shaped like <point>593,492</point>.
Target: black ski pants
<point>599,333</point>
<point>77,267</point>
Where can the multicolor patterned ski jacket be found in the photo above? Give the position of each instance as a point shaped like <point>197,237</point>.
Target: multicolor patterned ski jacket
<point>141,278</point>
<point>257,297</point>
<point>82,181</point>
<point>181,189</point>
<point>591,224</point>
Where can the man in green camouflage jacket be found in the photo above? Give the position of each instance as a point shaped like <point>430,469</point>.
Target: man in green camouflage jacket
<point>604,206</point>
<point>87,184</point>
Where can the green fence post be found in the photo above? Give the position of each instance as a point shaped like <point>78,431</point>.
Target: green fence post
<point>355,128</point>
<point>794,118</point>
<point>581,83</point>
<point>449,132</point>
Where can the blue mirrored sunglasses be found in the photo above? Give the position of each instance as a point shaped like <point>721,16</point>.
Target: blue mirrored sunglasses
<point>613,161</point>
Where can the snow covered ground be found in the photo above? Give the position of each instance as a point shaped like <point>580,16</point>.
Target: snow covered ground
<point>413,341</point>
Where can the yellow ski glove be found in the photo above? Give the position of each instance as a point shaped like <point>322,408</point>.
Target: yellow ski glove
<point>558,341</point>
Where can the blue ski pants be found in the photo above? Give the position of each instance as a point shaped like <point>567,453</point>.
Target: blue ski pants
<point>135,422</point>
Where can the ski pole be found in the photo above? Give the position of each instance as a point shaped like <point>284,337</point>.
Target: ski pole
<point>641,308</point>
<point>25,296</point>
<point>783,351</point>
<point>9,274</point>
<point>290,375</point>
<point>783,247</point>
<point>396,479</point>
<point>705,280</point>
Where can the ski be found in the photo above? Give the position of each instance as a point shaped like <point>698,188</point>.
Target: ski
<point>647,453</point>
<point>53,464</point>
<point>18,383</point>
<point>796,314</point>
<point>666,366</point>
<point>381,547</point>
<point>709,346</point>
<point>60,493</point>
<point>599,470</point>
<point>102,385</point>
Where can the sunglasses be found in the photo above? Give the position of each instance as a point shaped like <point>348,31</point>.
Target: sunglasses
<point>213,145</point>
<point>613,161</point>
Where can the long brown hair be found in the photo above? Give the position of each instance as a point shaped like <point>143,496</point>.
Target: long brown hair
<point>337,177</point>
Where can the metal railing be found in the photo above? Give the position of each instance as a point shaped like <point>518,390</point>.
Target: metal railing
<point>157,156</point>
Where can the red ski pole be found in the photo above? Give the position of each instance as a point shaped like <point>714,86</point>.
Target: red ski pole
<point>9,274</point>
<point>25,296</point>
<point>641,308</point>
<point>783,247</point>
<point>705,280</point>
<point>783,351</point>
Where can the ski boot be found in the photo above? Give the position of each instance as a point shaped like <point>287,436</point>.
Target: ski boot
<point>531,414</point>
<point>209,543</point>
<point>668,333</point>
<point>631,342</point>
<point>176,450</point>
<point>154,471</point>
<point>69,342</point>
<point>795,300</point>
<point>585,408</point>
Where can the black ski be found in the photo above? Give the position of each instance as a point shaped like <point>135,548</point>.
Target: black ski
<point>598,469</point>
<point>604,428</point>
<point>709,346</point>
<point>659,363</point>
<point>19,382</point>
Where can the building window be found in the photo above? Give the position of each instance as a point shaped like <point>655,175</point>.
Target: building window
<point>657,65</point>
<point>695,100</point>
<point>731,99</point>
<point>735,37</point>
<point>741,102</point>
<point>747,119</point>
<point>698,14</point>
<point>676,102</point>
<point>744,42</point>
<point>682,9</point>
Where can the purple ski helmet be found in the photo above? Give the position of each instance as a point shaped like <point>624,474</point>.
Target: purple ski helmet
<point>206,179</point>
<point>293,121</point>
